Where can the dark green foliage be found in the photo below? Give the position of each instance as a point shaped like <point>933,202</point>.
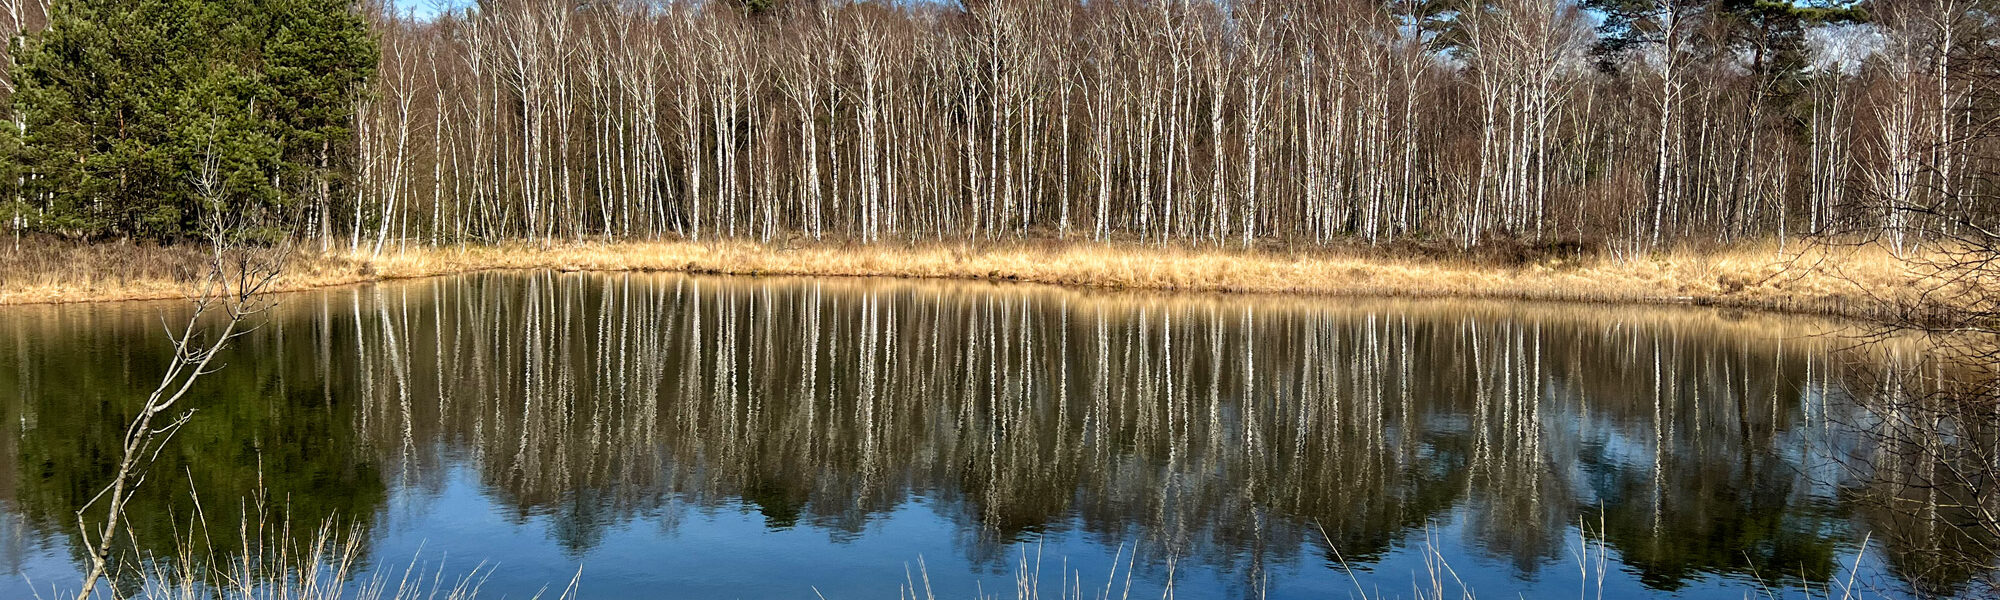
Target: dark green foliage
<point>1719,25</point>
<point>318,65</point>
<point>121,102</point>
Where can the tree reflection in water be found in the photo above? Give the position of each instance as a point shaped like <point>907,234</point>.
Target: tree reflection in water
<point>1221,431</point>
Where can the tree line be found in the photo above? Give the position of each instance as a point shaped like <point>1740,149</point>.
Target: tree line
<point>1635,123</point>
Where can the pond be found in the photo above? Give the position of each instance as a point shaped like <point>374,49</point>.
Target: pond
<point>680,436</point>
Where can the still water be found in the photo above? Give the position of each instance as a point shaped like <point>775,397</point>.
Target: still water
<point>700,437</point>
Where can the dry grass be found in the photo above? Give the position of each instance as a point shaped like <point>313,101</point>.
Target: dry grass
<point>273,561</point>
<point>1850,281</point>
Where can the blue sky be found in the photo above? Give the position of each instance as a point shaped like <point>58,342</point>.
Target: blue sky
<point>423,8</point>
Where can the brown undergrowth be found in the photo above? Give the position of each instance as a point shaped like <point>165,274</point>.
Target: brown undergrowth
<point>1846,280</point>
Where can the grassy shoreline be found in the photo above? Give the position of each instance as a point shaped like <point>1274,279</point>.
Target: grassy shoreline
<point>1859,281</point>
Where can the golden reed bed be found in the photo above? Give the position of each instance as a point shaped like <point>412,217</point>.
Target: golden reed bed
<point>1856,281</point>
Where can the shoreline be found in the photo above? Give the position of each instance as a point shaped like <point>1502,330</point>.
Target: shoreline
<point>1854,282</point>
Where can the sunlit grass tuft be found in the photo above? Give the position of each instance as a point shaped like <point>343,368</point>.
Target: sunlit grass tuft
<point>271,560</point>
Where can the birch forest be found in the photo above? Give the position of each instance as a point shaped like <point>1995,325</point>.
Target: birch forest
<point>1634,124</point>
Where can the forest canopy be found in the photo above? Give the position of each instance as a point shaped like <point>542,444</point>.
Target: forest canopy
<point>136,117</point>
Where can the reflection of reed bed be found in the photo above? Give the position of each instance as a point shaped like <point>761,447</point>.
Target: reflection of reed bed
<point>1218,430</point>
<point>1714,322</point>
<point>1855,281</point>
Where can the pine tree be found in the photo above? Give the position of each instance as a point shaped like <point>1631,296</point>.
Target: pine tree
<point>318,57</point>
<point>122,99</point>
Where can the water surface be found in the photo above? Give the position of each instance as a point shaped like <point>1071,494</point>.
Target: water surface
<point>701,437</point>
